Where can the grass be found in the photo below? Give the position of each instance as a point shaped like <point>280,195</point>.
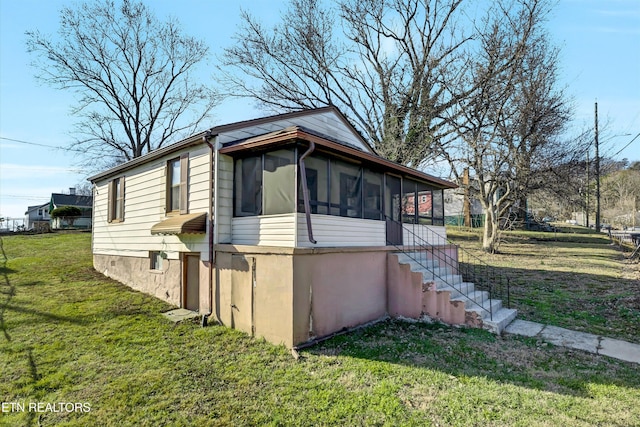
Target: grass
<point>68,334</point>
<point>569,279</point>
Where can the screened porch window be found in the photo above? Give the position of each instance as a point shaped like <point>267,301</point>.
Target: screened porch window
<point>265,184</point>
<point>248,181</point>
<point>438,207</point>
<point>422,204</point>
<point>372,195</point>
<point>346,189</point>
<point>317,171</point>
<point>278,182</point>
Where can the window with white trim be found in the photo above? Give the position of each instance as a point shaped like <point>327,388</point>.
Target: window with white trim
<point>116,200</point>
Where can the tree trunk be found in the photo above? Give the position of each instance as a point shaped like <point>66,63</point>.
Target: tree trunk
<point>490,236</point>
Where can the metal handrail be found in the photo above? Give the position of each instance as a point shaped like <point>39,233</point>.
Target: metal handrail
<point>470,267</point>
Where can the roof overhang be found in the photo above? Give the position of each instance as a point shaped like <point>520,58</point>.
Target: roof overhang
<point>194,223</point>
<point>292,134</point>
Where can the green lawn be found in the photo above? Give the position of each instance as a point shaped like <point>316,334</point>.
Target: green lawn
<point>69,335</point>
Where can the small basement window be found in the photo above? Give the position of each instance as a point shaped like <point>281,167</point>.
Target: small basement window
<point>155,260</point>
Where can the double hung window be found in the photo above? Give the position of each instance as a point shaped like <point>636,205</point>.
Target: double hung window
<point>177,181</point>
<point>116,200</point>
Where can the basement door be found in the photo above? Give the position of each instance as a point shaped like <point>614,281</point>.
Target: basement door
<point>191,281</point>
<point>243,283</point>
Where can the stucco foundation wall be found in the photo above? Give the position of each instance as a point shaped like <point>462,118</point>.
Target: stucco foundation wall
<point>135,273</point>
<point>291,295</point>
<point>254,293</point>
<point>337,290</point>
<point>438,305</point>
<point>404,292</point>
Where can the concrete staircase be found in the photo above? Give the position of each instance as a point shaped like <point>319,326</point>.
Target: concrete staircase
<point>441,283</point>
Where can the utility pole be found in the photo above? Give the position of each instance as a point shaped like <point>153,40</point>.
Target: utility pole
<point>588,166</point>
<point>635,211</point>
<point>597,172</point>
<point>466,207</point>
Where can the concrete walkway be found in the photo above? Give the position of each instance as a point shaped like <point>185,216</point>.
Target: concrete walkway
<point>180,314</point>
<point>618,349</point>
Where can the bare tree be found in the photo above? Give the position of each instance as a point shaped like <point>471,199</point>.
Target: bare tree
<point>132,74</point>
<point>421,79</point>
<point>621,197</point>
<point>507,131</point>
<point>542,111</point>
<point>385,70</point>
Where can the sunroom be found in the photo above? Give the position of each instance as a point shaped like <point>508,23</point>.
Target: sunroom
<point>295,188</point>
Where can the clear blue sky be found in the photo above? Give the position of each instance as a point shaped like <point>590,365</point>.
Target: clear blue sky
<point>600,41</point>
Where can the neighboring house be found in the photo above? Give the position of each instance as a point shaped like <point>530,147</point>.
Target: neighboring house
<point>284,227</point>
<point>454,209</point>
<point>84,203</point>
<point>37,217</point>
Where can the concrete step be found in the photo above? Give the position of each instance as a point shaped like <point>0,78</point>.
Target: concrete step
<point>449,279</point>
<point>418,260</point>
<point>432,273</point>
<point>484,307</point>
<point>501,319</point>
<point>494,316</point>
<point>459,289</point>
<point>475,298</point>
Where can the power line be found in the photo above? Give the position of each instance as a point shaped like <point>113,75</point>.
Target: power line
<point>30,143</point>
<point>53,147</point>
<point>628,144</point>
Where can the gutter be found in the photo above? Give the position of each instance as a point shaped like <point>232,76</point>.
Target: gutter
<point>305,191</point>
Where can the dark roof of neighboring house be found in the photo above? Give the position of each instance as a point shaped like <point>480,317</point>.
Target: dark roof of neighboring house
<point>33,208</point>
<point>72,200</point>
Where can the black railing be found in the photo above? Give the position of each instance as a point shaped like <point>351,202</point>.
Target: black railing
<point>451,264</point>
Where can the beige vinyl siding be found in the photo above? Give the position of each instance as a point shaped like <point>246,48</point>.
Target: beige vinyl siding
<point>337,231</point>
<point>225,201</point>
<point>145,206</point>
<point>198,199</point>
<point>269,230</point>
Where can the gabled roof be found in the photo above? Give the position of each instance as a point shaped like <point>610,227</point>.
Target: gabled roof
<point>336,126</point>
<point>293,133</point>
<point>326,126</point>
<point>33,208</point>
<point>58,200</point>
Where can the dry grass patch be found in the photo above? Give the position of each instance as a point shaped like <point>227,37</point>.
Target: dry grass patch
<point>576,281</point>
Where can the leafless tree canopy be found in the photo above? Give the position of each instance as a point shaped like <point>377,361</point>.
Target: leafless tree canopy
<point>508,132</point>
<point>422,79</point>
<point>382,62</point>
<point>132,74</point>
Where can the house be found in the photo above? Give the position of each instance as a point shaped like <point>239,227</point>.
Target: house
<point>37,217</point>
<point>286,227</point>
<point>454,211</point>
<point>84,203</point>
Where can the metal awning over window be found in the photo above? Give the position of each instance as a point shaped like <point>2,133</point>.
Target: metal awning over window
<point>182,224</point>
